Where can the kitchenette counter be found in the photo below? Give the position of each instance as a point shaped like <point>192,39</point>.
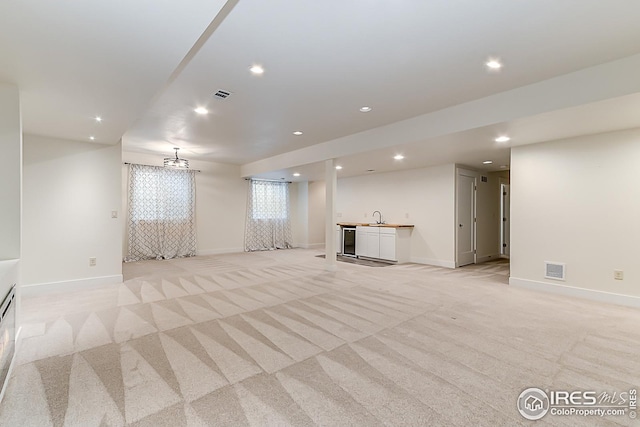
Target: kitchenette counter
<point>366,224</point>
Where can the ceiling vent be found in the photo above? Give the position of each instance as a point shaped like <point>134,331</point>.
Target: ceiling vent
<point>554,270</point>
<point>222,94</point>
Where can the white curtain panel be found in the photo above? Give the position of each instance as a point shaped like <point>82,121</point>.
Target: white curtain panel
<point>268,223</point>
<point>161,221</point>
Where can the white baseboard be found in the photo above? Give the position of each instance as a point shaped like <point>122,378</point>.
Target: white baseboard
<point>219,251</point>
<point>600,296</point>
<point>311,245</point>
<point>434,262</point>
<point>12,363</point>
<point>69,285</point>
<point>486,258</point>
<point>238,250</point>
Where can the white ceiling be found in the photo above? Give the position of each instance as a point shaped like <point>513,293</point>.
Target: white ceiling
<point>74,60</point>
<point>471,148</point>
<point>144,66</point>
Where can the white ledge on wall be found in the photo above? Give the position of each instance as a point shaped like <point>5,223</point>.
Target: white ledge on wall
<point>590,294</point>
<point>6,265</point>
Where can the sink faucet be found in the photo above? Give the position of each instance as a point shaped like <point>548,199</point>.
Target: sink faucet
<point>380,220</point>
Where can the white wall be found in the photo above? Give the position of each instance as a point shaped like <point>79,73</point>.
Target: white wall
<point>488,220</point>
<point>10,173</point>
<point>316,212</point>
<point>221,203</point>
<point>300,214</point>
<point>422,197</point>
<point>577,201</point>
<point>307,214</point>
<point>298,211</point>
<point>69,191</point>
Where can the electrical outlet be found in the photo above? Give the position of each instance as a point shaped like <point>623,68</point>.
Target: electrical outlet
<point>114,214</point>
<point>406,215</point>
<point>618,274</point>
<point>92,262</point>
<point>339,214</point>
<point>365,214</point>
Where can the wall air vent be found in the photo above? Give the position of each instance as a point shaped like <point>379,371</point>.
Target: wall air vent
<point>222,94</point>
<point>554,270</point>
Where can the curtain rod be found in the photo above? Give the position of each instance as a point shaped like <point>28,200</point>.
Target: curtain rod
<point>268,180</point>
<point>154,166</point>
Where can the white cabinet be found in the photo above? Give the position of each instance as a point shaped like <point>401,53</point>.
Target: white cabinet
<point>362,242</point>
<point>373,244</point>
<point>388,243</point>
<point>368,241</point>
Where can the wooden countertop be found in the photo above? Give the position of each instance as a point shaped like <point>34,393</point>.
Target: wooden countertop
<point>366,224</point>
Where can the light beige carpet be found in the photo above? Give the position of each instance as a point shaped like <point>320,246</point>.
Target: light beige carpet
<point>271,339</point>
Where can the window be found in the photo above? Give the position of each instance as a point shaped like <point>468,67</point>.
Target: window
<point>268,224</point>
<point>160,194</point>
<point>161,223</point>
<point>270,200</point>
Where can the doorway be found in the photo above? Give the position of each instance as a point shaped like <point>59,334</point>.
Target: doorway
<point>466,182</point>
<point>505,219</point>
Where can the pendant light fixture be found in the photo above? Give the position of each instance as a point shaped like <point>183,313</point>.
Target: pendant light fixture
<point>170,162</point>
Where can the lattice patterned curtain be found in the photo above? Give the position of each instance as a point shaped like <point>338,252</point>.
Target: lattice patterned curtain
<point>161,221</point>
<point>268,216</point>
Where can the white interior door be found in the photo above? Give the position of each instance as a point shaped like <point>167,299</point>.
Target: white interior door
<point>465,218</point>
<point>504,211</point>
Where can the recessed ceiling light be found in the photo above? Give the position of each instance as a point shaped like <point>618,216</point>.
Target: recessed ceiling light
<point>502,138</point>
<point>398,157</point>
<point>201,110</point>
<point>256,69</point>
<point>493,64</point>
<point>487,162</point>
<point>296,174</point>
<point>338,167</point>
<point>93,138</point>
<point>297,132</point>
<point>365,109</point>
<point>98,119</point>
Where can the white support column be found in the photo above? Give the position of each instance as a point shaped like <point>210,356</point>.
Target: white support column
<point>331,180</point>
